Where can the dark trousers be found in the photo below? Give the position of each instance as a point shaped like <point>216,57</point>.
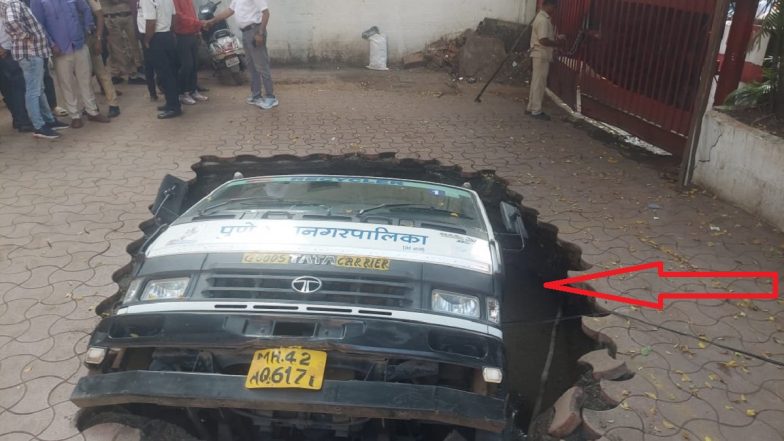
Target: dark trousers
<point>187,56</point>
<point>163,55</point>
<point>12,86</point>
<point>51,95</point>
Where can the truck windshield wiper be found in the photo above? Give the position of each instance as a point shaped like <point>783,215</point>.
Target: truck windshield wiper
<point>260,201</point>
<point>233,201</point>
<point>422,207</point>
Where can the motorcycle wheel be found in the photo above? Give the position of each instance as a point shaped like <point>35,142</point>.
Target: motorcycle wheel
<point>237,75</point>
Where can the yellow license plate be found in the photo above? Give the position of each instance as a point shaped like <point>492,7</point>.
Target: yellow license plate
<point>371,263</point>
<point>286,368</point>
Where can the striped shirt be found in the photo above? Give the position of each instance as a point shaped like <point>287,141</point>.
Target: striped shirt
<point>28,38</point>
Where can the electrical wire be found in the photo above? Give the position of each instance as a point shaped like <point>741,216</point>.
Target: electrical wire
<point>654,325</point>
<point>547,363</point>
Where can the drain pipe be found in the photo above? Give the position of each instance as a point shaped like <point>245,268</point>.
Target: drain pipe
<point>546,369</point>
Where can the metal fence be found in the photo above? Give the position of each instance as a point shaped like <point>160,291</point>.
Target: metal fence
<point>634,63</point>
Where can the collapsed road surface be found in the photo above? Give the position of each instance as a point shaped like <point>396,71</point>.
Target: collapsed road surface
<point>527,317</point>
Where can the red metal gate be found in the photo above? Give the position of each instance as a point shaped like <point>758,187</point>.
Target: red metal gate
<point>634,63</point>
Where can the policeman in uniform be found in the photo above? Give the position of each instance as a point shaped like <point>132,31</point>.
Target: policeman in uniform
<point>543,43</point>
<point>125,56</point>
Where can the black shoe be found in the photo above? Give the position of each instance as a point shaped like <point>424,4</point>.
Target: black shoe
<point>166,114</point>
<point>117,80</point>
<point>541,116</point>
<point>163,108</point>
<point>114,111</point>
<point>153,97</point>
<point>25,128</point>
<point>137,80</point>
<point>202,89</point>
<point>46,133</point>
<point>57,125</point>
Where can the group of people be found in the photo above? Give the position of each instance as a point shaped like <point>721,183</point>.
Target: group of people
<point>71,32</point>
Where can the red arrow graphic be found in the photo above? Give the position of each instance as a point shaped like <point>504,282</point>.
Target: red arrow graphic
<point>562,285</point>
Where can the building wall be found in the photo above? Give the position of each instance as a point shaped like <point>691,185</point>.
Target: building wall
<point>319,30</point>
<point>742,165</point>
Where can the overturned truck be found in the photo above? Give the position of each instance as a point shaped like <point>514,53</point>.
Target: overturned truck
<point>358,307</point>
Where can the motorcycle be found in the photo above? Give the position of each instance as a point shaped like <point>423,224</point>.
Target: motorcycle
<point>225,49</point>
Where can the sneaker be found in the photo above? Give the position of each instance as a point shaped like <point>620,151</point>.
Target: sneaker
<point>59,111</point>
<point>167,114</point>
<point>268,103</point>
<point>57,125</point>
<point>185,98</point>
<point>46,133</point>
<point>253,100</point>
<point>117,80</point>
<point>541,116</point>
<point>114,111</point>
<point>25,128</point>
<point>77,123</point>
<point>198,96</point>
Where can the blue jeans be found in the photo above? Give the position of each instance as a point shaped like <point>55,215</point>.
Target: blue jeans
<point>35,98</point>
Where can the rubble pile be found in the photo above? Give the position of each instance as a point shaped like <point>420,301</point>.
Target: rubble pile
<point>475,54</point>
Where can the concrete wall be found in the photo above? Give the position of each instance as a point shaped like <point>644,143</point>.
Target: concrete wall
<point>742,165</point>
<point>319,30</point>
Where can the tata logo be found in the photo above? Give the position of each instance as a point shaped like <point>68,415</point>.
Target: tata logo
<point>306,284</point>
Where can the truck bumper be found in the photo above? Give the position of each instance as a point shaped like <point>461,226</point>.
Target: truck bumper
<point>351,398</point>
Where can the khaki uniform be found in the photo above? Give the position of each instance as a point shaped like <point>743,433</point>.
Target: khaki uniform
<point>99,70</point>
<point>124,53</point>
<point>541,57</point>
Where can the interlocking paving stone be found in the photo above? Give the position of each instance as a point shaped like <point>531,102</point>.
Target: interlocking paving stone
<point>69,208</point>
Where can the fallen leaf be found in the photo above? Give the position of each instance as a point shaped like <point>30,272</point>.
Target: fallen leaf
<point>668,425</point>
<point>651,395</point>
<point>625,405</point>
<point>702,345</point>
<point>751,412</point>
<point>645,351</point>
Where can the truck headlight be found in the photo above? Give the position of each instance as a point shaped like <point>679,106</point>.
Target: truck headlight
<point>132,291</point>
<point>458,304</point>
<point>164,289</point>
<point>493,310</point>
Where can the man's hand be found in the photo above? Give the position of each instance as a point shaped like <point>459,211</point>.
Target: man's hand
<point>56,50</point>
<point>3,52</point>
<point>207,24</point>
<point>259,39</point>
<point>98,47</point>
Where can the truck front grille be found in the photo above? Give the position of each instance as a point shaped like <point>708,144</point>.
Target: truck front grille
<point>350,289</point>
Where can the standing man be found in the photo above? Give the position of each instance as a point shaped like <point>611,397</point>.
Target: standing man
<point>67,23</point>
<point>12,84</point>
<point>252,18</point>
<point>125,56</point>
<point>187,28</point>
<point>30,48</point>
<point>543,42</point>
<point>94,43</point>
<point>155,19</point>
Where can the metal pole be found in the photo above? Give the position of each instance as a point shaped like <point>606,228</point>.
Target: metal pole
<point>703,92</point>
<point>737,46</point>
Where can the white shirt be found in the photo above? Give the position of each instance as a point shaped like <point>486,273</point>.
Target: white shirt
<point>542,28</point>
<point>5,39</point>
<point>248,12</point>
<point>159,10</point>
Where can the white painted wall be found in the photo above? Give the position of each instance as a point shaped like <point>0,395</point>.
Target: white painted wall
<point>321,30</point>
<point>742,165</point>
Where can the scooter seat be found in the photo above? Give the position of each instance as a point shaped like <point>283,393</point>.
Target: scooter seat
<point>221,33</point>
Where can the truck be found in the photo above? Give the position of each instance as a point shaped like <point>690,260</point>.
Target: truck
<point>313,306</point>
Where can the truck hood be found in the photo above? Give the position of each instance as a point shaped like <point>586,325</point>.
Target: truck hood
<point>325,237</point>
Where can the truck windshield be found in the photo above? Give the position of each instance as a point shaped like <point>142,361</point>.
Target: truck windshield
<point>357,199</point>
